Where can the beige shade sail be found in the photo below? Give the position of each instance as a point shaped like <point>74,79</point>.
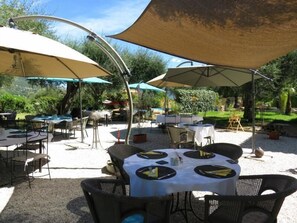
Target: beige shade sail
<point>160,82</point>
<point>27,54</point>
<point>241,33</point>
<point>209,76</point>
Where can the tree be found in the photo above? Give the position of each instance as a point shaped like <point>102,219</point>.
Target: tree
<point>144,65</point>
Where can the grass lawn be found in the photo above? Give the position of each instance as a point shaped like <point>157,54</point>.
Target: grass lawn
<point>262,118</point>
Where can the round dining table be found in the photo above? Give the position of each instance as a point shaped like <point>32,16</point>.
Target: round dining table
<point>167,171</point>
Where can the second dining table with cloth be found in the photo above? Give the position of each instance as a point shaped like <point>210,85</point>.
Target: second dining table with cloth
<point>197,172</point>
<point>51,120</point>
<point>175,119</point>
<point>201,131</point>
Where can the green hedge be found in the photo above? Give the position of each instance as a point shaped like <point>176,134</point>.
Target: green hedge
<point>21,104</point>
<point>194,101</point>
<point>12,102</point>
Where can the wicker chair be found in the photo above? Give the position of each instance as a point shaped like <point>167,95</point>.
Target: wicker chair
<point>226,149</point>
<point>25,158</point>
<point>66,127</point>
<point>181,137</point>
<point>82,123</point>
<point>118,153</point>
<point>259,199</point>
<point>109,205</point>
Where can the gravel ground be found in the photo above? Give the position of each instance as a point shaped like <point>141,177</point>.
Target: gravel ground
<point>73,159</point>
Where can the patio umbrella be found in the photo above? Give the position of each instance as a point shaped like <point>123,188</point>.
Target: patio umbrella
<point>245,34</point>
<point>159,81</point>
<point>209,76</point>
<point>144,86</point>
<point>92,80</point>
<point>27,54</point>
<point>214,76</point>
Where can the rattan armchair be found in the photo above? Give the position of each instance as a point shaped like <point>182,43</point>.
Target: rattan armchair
<point>118,153</point>
<point>109,205</point>
<point>230,150</point>
<point>259,199</point>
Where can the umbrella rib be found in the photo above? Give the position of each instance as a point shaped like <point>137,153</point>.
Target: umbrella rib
<point>217,72</point>
<point>21,63</point>
<point>68,67</point>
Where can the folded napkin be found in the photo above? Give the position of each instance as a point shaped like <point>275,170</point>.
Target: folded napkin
<point>204,154</point>
<point>154,172</point>
<point>220,172</point>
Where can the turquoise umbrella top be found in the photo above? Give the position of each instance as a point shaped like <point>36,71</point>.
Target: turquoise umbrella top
<point>85,80</point>
<point>144,86</point>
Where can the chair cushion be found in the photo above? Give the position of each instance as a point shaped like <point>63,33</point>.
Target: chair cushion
<point>135,218</point>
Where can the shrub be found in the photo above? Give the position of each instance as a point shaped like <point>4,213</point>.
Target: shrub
<point>45,105</point>
<point>194,101</point>
<point>13,102</point>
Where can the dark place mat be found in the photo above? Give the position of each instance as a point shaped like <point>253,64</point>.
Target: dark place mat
<point>152,155</point>
<point>19,136</point>
<point>215,171</point>
<point>163,173</point>
<point>199,155</point>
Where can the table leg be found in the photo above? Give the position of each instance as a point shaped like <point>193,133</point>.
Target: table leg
<point>40,151</point>
<point>187,205</point>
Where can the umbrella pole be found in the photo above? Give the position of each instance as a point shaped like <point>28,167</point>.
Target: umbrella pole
<point>80,105</point>
<point>253,111</point>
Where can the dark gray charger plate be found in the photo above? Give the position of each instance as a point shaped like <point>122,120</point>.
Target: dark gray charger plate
<point>157,155</point>
<point>163,173</point>
<point>204,171</point>
<point>196,155</point>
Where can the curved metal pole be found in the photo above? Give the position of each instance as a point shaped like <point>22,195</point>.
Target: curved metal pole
<point>106,48</point>
<point>188,61</point>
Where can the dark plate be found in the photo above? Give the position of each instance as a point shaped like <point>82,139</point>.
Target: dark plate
<point>163,173</point>
<point>215,171</point>
<point>196,155</point>
<point>19,136</point>
<point>152,155</point>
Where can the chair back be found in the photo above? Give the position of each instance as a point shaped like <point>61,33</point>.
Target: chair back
<point>181,136</point>
<point>84,122</point>
<point>259,199</point>
<point>226,149</point>
<point>109,205</point>
<point>119,152</point>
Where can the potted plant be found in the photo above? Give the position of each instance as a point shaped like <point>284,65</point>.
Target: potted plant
<point>273,133</point>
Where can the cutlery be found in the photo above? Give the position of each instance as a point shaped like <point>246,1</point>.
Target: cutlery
<point>142,155</point>
<point>167,175</point>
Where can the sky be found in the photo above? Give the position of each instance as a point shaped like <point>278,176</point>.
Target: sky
<point>104,17</point>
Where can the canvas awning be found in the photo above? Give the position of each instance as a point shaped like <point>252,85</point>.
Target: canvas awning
<point>243,34</point>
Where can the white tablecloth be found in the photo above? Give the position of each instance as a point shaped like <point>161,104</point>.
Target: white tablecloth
<point>165,119</point>
<point>52,119</point>
<point>185,180</point>
<point>201,131</point>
